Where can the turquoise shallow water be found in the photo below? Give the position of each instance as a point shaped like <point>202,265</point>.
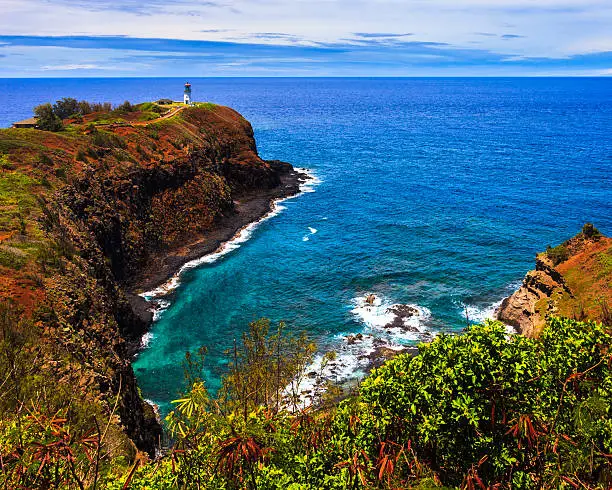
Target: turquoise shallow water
<point>433,192</point>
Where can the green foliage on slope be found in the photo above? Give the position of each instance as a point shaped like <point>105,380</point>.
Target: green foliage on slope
<point>478,410</point>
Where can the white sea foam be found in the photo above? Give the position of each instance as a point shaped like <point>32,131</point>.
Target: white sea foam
<point>159,306</point>
<point>353,351</point>
<point>478,314</point>
<point>146,340</point>
<point>312,232</point>
<point>310,183</point>
<point>380,315</point>
<point>350,363</point>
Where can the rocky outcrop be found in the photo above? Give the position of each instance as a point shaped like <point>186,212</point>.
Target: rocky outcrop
<point>527,309</point>
<point>570,280</point>
<point>122,208</point>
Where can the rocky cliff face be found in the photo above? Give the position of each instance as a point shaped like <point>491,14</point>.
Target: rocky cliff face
<point>106,206</point>
<point>527,309</point>
<point>572,280</point>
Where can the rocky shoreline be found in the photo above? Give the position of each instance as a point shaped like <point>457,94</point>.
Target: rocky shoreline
<point>248,208</point>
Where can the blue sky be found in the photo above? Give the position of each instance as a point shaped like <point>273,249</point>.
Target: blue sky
<point>58,38</point>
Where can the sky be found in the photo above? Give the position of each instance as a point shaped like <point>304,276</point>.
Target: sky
<point>109,38</point>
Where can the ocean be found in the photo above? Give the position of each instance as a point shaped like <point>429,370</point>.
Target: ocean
<point>435,193</point>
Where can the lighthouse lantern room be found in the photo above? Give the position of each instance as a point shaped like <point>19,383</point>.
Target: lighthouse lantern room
<point>187,94</point>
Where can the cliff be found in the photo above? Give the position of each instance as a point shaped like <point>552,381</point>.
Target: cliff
<point>94,212</point>
<point>573,280</point>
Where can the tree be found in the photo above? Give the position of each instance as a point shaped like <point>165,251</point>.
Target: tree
<point>589,231</point>
<point>126,107</point>
<point>66,107</point>
<point>47,119</point>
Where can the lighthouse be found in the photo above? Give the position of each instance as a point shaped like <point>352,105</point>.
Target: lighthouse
<point>187,94</point>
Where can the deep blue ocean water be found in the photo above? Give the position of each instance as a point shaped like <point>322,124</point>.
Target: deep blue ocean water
<point>433,192</point>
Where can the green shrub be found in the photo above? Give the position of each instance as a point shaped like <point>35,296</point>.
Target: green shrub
<point>61,172</point>
<point>150,107</point>
<point>473,410</point>
<point>589,231</point>
<point>12,258</point>
<point>501,407</point>
<point>558,254</point>
<point>209,106</point>
<point>104,139</point>
<point>81,155</point>
<point>45,160</point>
<point>47,119</point>
<point>478,410</point>
<point>5,164</point>
<point>126,107</point>
<point>66,107</point>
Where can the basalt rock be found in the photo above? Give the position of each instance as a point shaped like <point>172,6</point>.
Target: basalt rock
<point>574,287</point>
<point>402,313</point>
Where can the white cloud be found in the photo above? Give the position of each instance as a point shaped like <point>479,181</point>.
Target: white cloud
<point>516,29</point>
<point>549,27</point>
<point>73,67</point>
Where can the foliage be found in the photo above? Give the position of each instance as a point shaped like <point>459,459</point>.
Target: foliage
<point>505,409</point>
<point>206,105</point>
<point>81,155</point>
<point>11,257</point>
<point>16,199</point>
<point>66,107</point>
<point>126,107</point>
<point>47,119</point>
<point>557,254</point>
<point>106,139</point>
<point>49,437</point>
<point>589,231</point>
<point>151,107</point>
<point>50,116</point>
<point>264,366</point>
<point>478,410</point>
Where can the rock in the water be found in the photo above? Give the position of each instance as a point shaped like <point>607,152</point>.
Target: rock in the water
<point>402,313</point>
<point>383,353</point>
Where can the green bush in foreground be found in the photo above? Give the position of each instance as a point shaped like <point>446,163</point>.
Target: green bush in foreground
<point>478,410</point>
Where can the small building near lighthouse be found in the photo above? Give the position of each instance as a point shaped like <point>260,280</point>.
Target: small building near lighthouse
<point>26,123</point>
<point>187,94</point>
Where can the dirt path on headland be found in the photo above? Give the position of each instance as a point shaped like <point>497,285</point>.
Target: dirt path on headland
<point>167,115</point>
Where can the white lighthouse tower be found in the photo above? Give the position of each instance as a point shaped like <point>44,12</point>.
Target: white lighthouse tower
<point>187,94</point>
